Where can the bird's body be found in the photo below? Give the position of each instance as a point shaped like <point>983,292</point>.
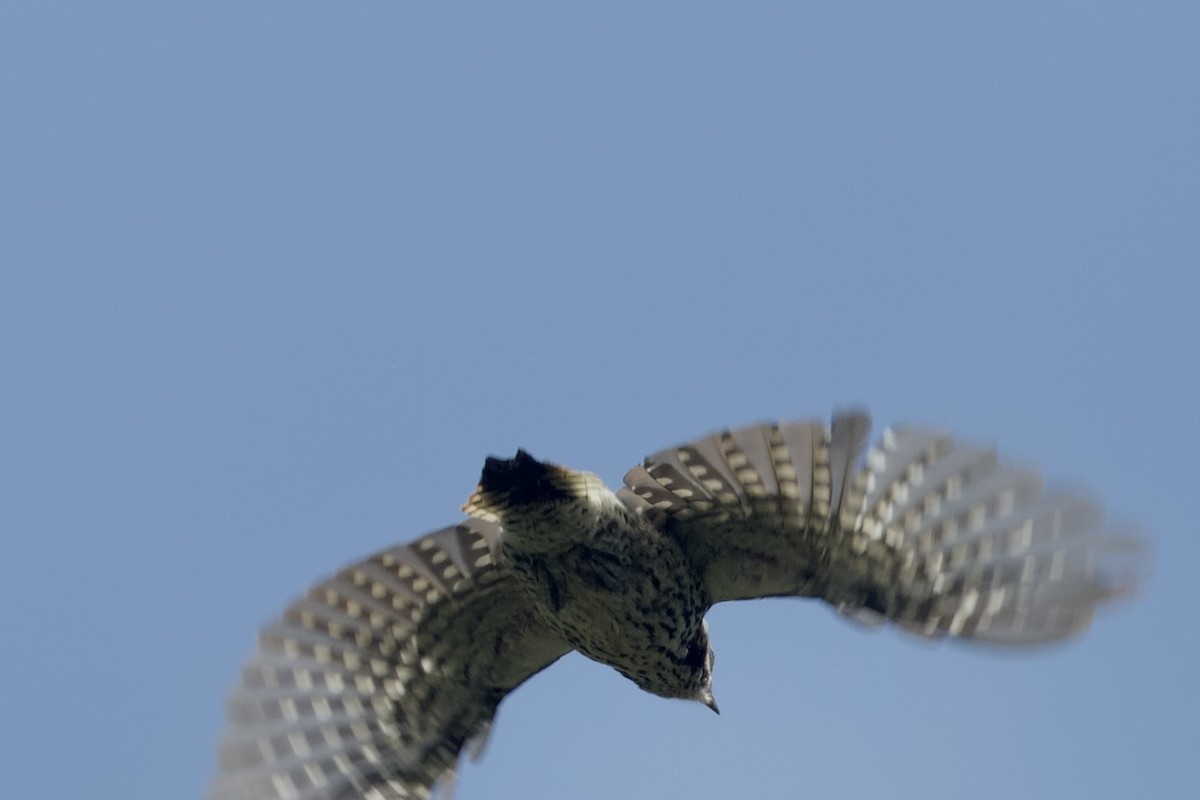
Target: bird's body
<point>612,585</point>
<point>371,686</point>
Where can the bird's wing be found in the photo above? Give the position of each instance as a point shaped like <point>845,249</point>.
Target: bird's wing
<point>751,507</point>
<point>370,686</point>
<point>936,535</point>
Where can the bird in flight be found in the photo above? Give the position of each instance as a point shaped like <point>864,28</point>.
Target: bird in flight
<point>372,685</point>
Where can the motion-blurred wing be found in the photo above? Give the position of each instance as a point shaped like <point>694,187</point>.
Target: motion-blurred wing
<point>370,686</point>
<point>938,536</point>
<point>949,539</point>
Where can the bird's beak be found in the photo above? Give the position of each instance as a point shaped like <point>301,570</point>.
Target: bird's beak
<point>707,698</point>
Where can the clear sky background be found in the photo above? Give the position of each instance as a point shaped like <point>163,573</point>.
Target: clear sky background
<point>275,277</point>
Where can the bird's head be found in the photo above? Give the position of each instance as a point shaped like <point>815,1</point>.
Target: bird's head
<point>701,653</point>
<point>690,676</point>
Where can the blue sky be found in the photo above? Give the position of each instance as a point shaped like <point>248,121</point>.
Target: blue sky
<point>275,277</point>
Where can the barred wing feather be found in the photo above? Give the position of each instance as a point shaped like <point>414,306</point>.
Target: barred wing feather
<point>370,686</point>
<point>966,544</point>
<point>753,507</point>
<point>940,537</point>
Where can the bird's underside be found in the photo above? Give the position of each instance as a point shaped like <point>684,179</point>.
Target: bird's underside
<point>373,684</point>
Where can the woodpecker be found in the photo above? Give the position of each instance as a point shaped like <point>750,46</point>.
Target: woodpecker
<point>372,685</point>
